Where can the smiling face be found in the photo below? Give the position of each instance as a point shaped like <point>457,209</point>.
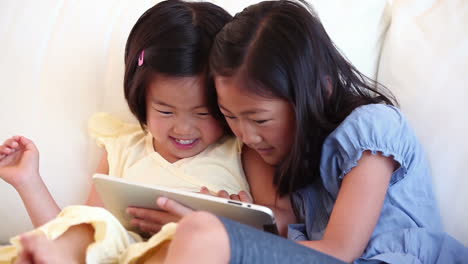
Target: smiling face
<point>178,117</point>
<point>266,125</point>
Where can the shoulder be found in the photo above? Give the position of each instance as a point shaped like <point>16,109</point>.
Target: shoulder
<point>231,143</point>
<point>260,177</point>
<point>109,131</point>
<point>373,125</point>
<point>224,153</point>
<point>103,124</point>
<point>372,117</point>
<point>376,128</point>
<point>218,167</point>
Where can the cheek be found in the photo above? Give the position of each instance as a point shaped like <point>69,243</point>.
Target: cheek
<point>234,127</point>
<point>157,126</point>
<point>286,129</point>
<point>280,137</point>
<point>211,129</point>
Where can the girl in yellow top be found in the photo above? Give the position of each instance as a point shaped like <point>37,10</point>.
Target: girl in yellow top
<point>182,140</point>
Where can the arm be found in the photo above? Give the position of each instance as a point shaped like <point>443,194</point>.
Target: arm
<point>260,177</point>
<point>19,166</point>
<point>39,203</point>
<point>357,208</point>
<point>93,196</point>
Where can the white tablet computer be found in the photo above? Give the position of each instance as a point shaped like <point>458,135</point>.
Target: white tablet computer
<point>117,194</point>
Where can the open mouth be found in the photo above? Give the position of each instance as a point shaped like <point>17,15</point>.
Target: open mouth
<point>184,143</point>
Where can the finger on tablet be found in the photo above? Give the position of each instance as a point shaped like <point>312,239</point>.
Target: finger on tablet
<point>204,190</point>
<point>173,207</point>
<point>223,194</point>
<point>245,197</point>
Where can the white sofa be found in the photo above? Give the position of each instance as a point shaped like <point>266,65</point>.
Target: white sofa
<point>63,60</point>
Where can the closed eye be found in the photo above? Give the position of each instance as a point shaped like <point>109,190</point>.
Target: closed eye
<point>229,117</point>
<point>260,121</point>
<point>164,112</point>
<point>203,114</point>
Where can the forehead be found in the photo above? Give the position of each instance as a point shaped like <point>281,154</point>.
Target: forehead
<point>233,95</point>
<point>234,86</point>
<point>177,91</point>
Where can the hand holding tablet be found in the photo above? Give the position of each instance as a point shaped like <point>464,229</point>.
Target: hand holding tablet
<point>117,194</point>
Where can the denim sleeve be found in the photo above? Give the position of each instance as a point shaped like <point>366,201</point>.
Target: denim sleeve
<point>376,128</point>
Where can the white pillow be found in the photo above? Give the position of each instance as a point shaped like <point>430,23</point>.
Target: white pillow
<point>425,63</point>
<point>54,73</point>
<point>357,28</point>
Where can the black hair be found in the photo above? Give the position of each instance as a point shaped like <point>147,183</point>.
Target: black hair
<point>281,49</point>
<point>176,37</point>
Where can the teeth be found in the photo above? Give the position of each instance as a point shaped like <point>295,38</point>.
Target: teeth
<point>185,142</point>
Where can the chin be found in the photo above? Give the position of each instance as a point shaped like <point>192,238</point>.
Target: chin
<point>271,161</point>
<point>189,154</point>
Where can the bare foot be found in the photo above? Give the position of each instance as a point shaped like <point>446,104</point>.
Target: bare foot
<point>38,249</point>
<point>69,248</point>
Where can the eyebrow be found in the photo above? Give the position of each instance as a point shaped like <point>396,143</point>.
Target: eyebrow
<point>247,112</point>
<point>155,101</point>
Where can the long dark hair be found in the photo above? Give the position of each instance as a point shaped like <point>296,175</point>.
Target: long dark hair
<point>176,37</point>
<point>282,50</point>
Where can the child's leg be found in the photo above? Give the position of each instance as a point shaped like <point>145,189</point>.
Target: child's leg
<point>200,238</point>
<point>205,238</point>
<point>109,241</point>
<point>68,248</point>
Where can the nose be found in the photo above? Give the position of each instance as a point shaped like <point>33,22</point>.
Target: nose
<point>183,126</point>
<point>248,134</point>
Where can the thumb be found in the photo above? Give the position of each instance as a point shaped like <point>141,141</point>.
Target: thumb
<point>172,207</point>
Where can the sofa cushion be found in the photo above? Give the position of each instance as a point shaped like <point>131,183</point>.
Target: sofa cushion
<point>425,63</point>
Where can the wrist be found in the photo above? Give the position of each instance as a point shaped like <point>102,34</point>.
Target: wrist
<point>30,183</point>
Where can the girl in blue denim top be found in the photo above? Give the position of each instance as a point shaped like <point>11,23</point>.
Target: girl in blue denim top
<point>344,157</point>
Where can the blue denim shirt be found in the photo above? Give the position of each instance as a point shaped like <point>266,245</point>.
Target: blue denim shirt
<point>409,229</point>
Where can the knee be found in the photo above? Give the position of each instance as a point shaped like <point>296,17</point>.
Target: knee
<point>201,235</point>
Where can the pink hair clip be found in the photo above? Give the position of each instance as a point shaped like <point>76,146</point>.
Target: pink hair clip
<point>141,58</point>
